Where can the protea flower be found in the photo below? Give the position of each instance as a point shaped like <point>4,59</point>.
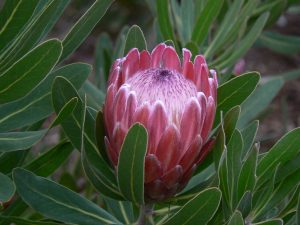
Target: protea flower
<point>174,101</point>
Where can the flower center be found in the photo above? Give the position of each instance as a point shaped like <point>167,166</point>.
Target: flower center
<point>168,86</point>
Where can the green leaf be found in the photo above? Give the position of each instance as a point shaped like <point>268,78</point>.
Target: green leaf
<point>19,113</point>
<point>236,219</point>
<point>298,211</point>
<point>131,164</point>
<point>65,111</point>
<point>245,204</point>
<point>230,121</point>
<point>100,134</point>
<point>205,19</point>
<point>25,74</point>
<point>14,16</point>
<point>43,195</point>
<point>10,160</point>
<point>270,222</point>
<point>122,210</point>
<point>284,44</point>
<point>283,151</point>
<point>249,134</point>
<point>165,25</point>
<point>247,177</point>
<point>14,141</point>
<point>37,29</point>
<point>198,210</point>
<point>21,221</point>
<point>234,92</point>
<point>7,188</point>
<point>84,26</point>
<point>135,39</point>
<point>245,43</point>
<point>259,100</point>
<point>187,17</point>
<point>95,97</point>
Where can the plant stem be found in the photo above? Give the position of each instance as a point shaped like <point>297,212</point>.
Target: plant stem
<point>145,214</point>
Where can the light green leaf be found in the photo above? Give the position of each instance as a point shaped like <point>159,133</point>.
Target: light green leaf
<point>283,151</point>
<point>19,113</point>
<point>131,164</point>
<point>198,210</point>
<point>236,219</point>
<point>14,141</point>
<point>135,39</point>
<point>7,188</point>
<point>84,26</point>
<point>259,100</point>
<point>234,92</point>
<point>43,195</point>
<point>205,19</point>
<point>25,74</point>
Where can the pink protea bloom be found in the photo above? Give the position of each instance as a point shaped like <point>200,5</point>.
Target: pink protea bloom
<point>175,102</point>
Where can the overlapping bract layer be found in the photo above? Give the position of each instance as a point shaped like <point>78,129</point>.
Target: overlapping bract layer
<point>176,103</point>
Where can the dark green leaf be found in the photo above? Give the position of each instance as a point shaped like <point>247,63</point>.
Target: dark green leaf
<point>7,188</point>
<point>25,74</point>
<point>236,219</point>
<point>230,121</point>
<point>19,113</point>
<point>135,39</point>
<point>298,211</point>
<point>245,204</point>
<point>270,222</point>
<point>95,97</point>
<point>100,133</point>
<point>283,151</point>
<point>259,100</point>
<point>44,195</point>
<point>10,160</point>
<point>234,92</point>
<point>249,134</point>
<point>65,111</point>
<point>131,164</point>
<point>21,221</point>
<point>14,141</point>
<point>205,19</point>
<point>198,210</point>
<point>84,26</point>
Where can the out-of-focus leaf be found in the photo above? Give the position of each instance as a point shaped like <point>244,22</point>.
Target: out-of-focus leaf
<point>270,222</point>
<point>84,26</point>
<point>203,206</point>
<point>290,75</point>
<point>284,150</point>
<point>120,43</point>
<point>259,100</point>
<point>205,19</point>
<point>14,15</point>
<point>13,141</point>
<point>19,113</point>
<point>25,74</point>
<point>162,7</point>
<point>135,39</point>
<point>7,188</point>
<point>187,17</point>
<point>234,92</point>
<point>249,134</point>
<point>70,207</point>
<point>21,221</point>
<point>285,44</point>
<point>245,43</point>
<point>247,177</point>
<point>45,18</point>
<point>131,164</point>
<point>236,219</point>
<point>122,210</point>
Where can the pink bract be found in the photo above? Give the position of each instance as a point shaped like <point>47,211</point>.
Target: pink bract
<point>176,103</point>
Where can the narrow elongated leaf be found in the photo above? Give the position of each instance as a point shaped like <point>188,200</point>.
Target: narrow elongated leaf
<point>19,113</point>
<point>84,26</point>
<point>205,19</point>
<point>14,141</point>
<point>95,97</point>
<point>259,100</point>
<point>230,121</point>
<point>249,134</point>
<point>135,39</point>
<point>17,15</point>
<point>131,164</point>
<point>10,160</point>
<point>198,210</point>
<point>188,18</point>
<point>270,222</point>
<point>7,188</point>
<point>162,7</point>
<point>245,204</point>
<point>23,76</point>
<point>284,150</point>
<point>70,207</point>
<point>42,22</point>
<point>235,91</point>
<point>298,211</point>
<point>21,221</point>
<point>236,219</point>
<point>122,210</point>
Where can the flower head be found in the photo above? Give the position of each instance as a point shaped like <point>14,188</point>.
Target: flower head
<point>175,101</point>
